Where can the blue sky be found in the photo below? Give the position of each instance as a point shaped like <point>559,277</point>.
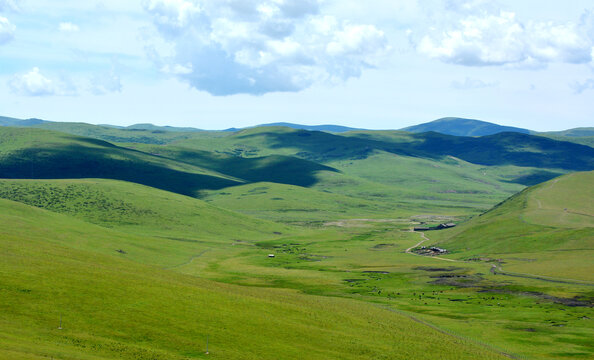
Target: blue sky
<point>216,64</point>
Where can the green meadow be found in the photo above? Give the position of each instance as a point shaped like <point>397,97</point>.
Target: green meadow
<point>274,243</point>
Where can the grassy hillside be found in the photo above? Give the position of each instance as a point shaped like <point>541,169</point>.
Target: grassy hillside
<point>142,134</point>
<point>114,308</point>
<point>139,209</point>
<point>274,168</point>
<point>547,230</point>
<point>288,203</point>
<point>40,154</point>
<point>500,149</point>
<point>402,183</point>
<point>463,127</point>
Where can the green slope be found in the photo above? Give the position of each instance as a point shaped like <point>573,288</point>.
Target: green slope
<point>288,203</point>
<point>139,210</point>
<point>34,153</point>
<point>495,150</point>
<point>114,308</point>
<point>274,168</point>
<point>141,134</point>
<point>547,230</point>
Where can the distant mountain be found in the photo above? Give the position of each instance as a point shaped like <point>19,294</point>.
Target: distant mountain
<point>577,132</point>
<point>7,121</point>
<point>152,127</point>
<point>328,128</point>
<point>463,127</point>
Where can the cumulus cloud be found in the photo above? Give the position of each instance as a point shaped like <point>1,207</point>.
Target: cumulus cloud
<point>261,46</point>
<point>68,27</point>
<point>34,83</point>
<point>6,30</point>
<point>470,83</point>
<point>486,37</point>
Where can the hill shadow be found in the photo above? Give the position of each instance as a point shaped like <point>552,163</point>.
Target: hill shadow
<point>508,148</point>
<point>276,168</point>
<point>75,162</point>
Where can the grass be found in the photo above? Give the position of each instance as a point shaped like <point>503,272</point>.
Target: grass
<point>115,308</point>
<point>144,273</point>
<point>552,223</point>
<point>139,209</point>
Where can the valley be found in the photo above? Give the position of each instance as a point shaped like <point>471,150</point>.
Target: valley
<point>274,242</point>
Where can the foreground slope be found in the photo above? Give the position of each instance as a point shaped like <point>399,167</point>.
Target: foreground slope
<point>547,229</point>
<point>114,308</point>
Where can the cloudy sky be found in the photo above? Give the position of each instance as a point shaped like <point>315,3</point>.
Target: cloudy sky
<point>215,64</point>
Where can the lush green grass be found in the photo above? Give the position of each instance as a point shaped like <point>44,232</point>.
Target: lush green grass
<point>288,203</point>
<point>139,209</point>
<point>115,308</point>
<point>553,221</point>
<point>341,278</point>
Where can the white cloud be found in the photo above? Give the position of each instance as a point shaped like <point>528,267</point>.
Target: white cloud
<point>470,83</point>
<point>34,83</point>
<point>68,27</point>
<point>488,38</point>
<point>256,47</point>
<point>6,30</point>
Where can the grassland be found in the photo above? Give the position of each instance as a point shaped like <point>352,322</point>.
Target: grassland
<point>115,308</point>
<point>546,230</point>
<point>145,250</point>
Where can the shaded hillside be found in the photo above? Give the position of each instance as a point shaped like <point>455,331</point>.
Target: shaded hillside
<point>500,149</point>
<point>463,127</point>
<point>510,149</point>
<point>273,168</point>
<point>40,154</point>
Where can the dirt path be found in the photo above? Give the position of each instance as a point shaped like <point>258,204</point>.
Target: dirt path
<point>498,270</point>
<point>425,238</point>
<point>190,260</point>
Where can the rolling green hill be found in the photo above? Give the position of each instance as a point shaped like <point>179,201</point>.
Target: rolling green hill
<point>500,149</point>
<point>139,209</point>
<point>141,269</point>
<point>463,127</point>
<point>111,307</point>
<point>41,154</point>
<point>546,230</point>
<point>577,132</point>
<point>274,168</point>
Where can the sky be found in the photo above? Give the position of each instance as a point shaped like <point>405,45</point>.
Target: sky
<point>216,64</point>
